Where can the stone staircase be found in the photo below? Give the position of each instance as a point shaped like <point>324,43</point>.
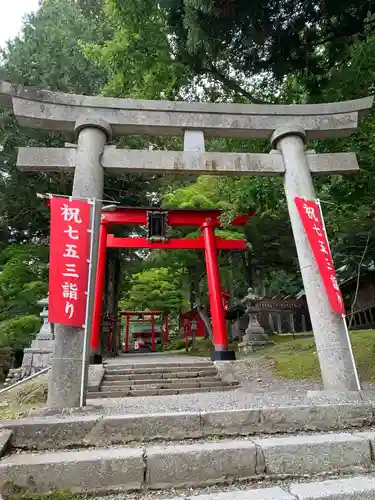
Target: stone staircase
<point>160,379</point>
<point>325,451</point>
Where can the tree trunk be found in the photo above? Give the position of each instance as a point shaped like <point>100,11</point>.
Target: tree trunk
<point>207,323</point>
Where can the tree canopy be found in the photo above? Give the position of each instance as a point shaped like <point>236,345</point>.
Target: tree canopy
<point>277,51</point>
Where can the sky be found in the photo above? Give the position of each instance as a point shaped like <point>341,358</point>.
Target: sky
<point>11,14</point>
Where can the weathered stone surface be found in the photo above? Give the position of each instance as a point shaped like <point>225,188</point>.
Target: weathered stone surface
<point>336,360</point>
<point>122,429</point>
<point>316,417</point>
<point>95,377</point>
<point>118,394</point>
<point>78,471</point>
<point>145,392</point>
<point>233,422</point>
<point>368,395</point>
<point>228,370</point>
<point>334,396</point>
<point>177,383</point>
<point>257,494</point>
<point>211,372</point>
<point>300,455</point>
<point>191,390</point>
<point>189,374</point>
<point>356,488</point>
<point>51,433</point>
<point>118,161</point>
<point>5,437</point>
<point>168,392</point>
<point>369,436</point>
<point>351,415</point>
<point>202,463</point>
<point>209,383</point>
<point>287,418</point>
<point>57,111</point>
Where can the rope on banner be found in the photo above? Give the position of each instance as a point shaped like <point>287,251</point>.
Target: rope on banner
<point>82,398</point>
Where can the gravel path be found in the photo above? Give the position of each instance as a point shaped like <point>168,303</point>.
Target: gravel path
<point>259,376</point>
<point>191,493</point>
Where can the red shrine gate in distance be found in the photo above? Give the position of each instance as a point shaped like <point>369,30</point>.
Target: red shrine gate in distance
<point>157,222</point>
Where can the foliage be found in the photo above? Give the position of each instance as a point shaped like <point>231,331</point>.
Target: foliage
<point>49,54</point>
<point>17,333</point>
<point>23,279</point>
<point>139,53</point>
<point>155,288</point>
<point>211,50</point>
<point>231,48</point>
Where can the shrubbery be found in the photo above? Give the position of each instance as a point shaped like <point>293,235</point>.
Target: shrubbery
<point>17,333</point>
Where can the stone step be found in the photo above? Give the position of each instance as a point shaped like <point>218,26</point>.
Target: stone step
<point>159,374</point>
<point>158,370</point>
<point>52,432</point>
<point>350,488</point>
<point>157,380</point>
<point>124,392</point>
<point>165,382</point>
<point>181,384</point>
<point>174,466</point>
<point>162,366</point>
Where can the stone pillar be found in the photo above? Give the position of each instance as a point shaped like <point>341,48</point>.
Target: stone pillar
<point>333,345</point>
<point>65,378</point>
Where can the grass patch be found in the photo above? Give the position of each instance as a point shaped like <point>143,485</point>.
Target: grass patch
<point>19,401</point>
<point>298,359</point>
<point>14,492</point>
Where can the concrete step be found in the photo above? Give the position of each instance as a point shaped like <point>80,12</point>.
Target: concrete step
<point>73,431</point>
<point>122,375</point>
<point>349,488</point>
<point>182,384</point>
<point>158,368</point>
<point>164,383</point>
<point>162,366</point>
<point>124,392</point>
<point>174,466</point>
<point>158,380</point>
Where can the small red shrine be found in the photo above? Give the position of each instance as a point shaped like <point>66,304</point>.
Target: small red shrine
<point>157,223</point>
<point>192,323</point>
<point>151,330</point>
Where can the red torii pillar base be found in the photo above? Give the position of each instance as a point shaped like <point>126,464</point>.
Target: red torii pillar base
<point>223,356</point>
<point>221,352</point>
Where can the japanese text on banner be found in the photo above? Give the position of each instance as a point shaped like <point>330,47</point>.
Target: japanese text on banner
<point>310,214</point>
<point>69,261</point>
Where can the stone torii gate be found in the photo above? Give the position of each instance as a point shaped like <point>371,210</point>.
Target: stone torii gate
<point>94,120</point>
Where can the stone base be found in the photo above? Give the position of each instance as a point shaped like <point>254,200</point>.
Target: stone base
<point>37,357</point>
<point>223,356</point>
<point>96,359</point>
<point>247,347</point>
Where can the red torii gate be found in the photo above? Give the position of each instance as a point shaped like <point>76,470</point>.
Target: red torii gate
<point>207,220</point>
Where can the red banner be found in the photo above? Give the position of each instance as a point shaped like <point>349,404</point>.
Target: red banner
<point>69,261</point>
<point>311,217</point>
